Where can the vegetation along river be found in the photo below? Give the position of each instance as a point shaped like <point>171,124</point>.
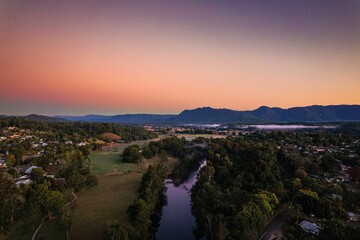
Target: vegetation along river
<point>177,222</point>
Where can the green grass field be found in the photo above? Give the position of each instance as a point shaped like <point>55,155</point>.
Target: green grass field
<point>121,146</point>
<point>191,137</point>
<point>113,194</point>
<point>107,201</point>
<point>105,162</point>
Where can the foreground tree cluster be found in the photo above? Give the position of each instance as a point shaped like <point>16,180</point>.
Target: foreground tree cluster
<point>144,213</point>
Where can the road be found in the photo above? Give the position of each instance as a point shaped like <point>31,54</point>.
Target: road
<point>273,228</point>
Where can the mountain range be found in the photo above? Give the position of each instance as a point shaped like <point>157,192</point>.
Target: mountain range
<point>208,115</point>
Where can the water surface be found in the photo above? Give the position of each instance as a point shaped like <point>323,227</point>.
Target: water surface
<point>177,222</point>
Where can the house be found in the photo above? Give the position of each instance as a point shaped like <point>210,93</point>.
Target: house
<point>336,196</point>
<point>310,227</point>
<point>29,170</point>
<point>81,144</point>
<point>353,217</point>
<point>25,181</point>
<point>2,164</point>
<point>22,180</point>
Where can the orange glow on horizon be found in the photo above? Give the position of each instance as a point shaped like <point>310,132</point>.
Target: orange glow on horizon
<point>139,66</point>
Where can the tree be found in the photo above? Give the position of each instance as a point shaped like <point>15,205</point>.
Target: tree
<point>55,202</point>
<point>11,160</point>
<point>142,212</point>
<point>132,154</point>
<point>37,174</point>
<point>19,152</point>
<point>139,213</point>
<point>355,173</point>
<point>116,231</point>
<point>91,181</point>
<point>251,221</point>
<point>300,172</point>
<point>330,164</point>
<point>75,180</point>
<point>147,153</point>
<point>219,227</point>
<point>11,201</point>
<point>309,200</point>
<point>267,202</point>
<point>335,229</point>
<point>50,202</point>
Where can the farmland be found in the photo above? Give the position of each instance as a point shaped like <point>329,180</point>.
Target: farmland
<point>190,137</point>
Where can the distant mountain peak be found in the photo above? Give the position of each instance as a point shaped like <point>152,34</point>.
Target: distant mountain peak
<point>42,118</point>
<point>262,108</point>
<point>204,115</point>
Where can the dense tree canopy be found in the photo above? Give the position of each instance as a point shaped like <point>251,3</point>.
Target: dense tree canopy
<point>132,154</point>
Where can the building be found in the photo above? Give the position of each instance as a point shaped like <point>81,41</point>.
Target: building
<point>2,163</point>
<point>354,217</point>
<point>310,227</point>
<point>336,196</point>
<point>29,170</point>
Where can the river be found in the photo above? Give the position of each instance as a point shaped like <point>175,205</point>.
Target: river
<point>177,222</point>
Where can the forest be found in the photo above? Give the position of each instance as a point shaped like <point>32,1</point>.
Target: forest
<point>251,178</point>
<point>84,129</point>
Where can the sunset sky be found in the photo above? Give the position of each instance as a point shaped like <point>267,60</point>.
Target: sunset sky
<point>112,57</point>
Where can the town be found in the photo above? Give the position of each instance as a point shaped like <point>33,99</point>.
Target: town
<point>317,182</point>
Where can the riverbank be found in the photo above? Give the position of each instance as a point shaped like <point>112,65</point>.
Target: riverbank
<point>177,221</point>
<point>110,199</point>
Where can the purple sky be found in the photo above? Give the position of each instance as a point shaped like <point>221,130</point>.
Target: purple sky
<point>65,57</point>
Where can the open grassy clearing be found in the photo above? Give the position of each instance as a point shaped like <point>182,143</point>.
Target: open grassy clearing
<point>106,162</point>
<point>191,137</point>
<point>109,200</point>
<point>119,147</point>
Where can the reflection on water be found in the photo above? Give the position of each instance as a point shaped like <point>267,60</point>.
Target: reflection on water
<point>177,222</point>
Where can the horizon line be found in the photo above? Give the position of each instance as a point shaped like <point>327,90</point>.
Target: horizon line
<point>149,113</point>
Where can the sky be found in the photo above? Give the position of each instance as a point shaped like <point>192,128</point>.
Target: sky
<point>113,57</point>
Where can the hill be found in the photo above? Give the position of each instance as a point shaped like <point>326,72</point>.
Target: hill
<point>265,114</point>
<point>86,118</point>
<point>122,118</point>
<point>212,115</point>
<point>208,115</point>
<point>42,118</point>
<point>314,113</point>
<point>140,118</point>
<point>110,136</point>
